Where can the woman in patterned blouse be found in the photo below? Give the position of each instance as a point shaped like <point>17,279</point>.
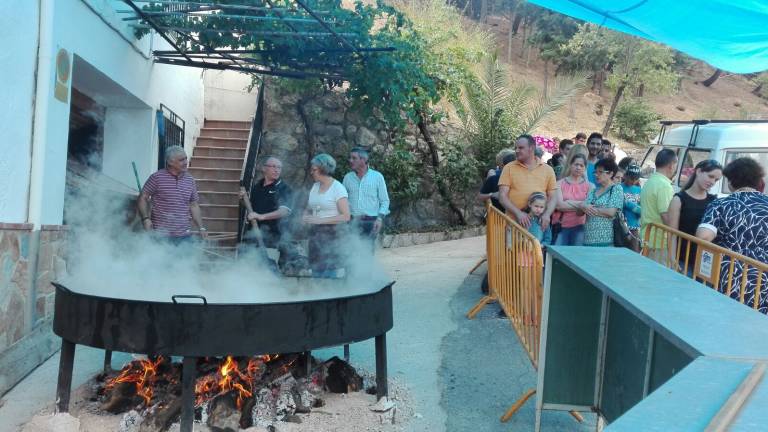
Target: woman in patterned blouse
<point>739,222</point>
<point>602,204</point>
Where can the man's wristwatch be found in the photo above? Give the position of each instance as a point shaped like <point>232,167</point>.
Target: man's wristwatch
<point>203,229</point>
<point>145,218</point>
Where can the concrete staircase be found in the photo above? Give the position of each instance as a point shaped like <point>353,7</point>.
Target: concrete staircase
<point>216,164</point>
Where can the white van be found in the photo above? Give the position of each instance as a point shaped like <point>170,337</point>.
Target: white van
<point>698,140</point>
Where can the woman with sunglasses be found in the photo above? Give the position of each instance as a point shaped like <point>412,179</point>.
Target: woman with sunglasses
<point>602,204</point>
<point>688,206</point>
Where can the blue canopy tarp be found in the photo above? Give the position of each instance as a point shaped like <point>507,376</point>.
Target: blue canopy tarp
<point>729,35</point>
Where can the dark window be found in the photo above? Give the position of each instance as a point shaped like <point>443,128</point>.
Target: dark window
<point>170,129</point>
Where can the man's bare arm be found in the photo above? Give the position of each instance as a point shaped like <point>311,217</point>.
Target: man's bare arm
<point>144,208</point>
<point>197,218</point>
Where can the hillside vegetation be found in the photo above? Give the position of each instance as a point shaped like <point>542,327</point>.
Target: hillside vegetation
<point>730,97</point>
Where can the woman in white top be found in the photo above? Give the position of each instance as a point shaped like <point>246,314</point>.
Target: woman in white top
<point>327,214</point>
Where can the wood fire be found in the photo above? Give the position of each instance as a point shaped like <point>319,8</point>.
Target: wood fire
<point>244,390</point>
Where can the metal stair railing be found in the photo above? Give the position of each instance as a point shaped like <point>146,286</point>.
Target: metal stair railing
<point>248,174</point>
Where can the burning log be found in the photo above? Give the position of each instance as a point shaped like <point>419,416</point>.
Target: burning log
<point>224,413</point>
<point>122,398</point>
<point>231,393</point>
<point>162,417</point>
<point>263,411</point>
<point>285,404</point>
<point>342,378</point>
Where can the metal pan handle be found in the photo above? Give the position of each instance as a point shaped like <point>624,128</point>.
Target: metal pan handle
<point>185,296</point>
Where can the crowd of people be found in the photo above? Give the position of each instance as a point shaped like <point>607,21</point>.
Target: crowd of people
<point>333,209</point>
<point>582,197</point>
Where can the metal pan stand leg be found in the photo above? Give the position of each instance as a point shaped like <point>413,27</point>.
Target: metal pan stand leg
<point>107,361</point>
<point>381,366</point>
<point>64,386</point>
<point>188,376</point>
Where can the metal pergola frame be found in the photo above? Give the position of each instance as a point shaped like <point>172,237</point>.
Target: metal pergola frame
<point>322,37</point>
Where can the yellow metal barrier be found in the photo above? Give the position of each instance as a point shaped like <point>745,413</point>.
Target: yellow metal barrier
<point>515,265</point>
<point>719,268</point>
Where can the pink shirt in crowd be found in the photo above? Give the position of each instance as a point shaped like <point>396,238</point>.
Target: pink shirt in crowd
<point>574,192</point>
<point>171,197</point>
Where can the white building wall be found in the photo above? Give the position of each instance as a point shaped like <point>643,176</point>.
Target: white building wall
<point>92,30</point>
<point>122,144</point>
<point>17,80</point>
<point>227,96</point>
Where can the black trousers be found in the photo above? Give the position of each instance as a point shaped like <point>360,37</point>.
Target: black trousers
<point>364,228</point>
<point>325,253</point>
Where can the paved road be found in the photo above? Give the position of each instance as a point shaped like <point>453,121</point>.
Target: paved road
<point>462,375</point>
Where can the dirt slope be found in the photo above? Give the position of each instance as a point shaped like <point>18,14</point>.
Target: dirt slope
<point>728,98</point>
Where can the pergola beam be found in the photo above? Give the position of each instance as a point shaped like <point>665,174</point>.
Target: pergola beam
<point>317,61</point>
<point>230,66</point>
<point>269,51</point>
<point>250,32</point>
<point>219,6</point>
<point>243,17</point>
<point>140,13</point>
<point>325,25</point>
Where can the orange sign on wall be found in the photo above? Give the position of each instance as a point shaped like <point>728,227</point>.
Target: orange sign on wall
<point>63,67</point>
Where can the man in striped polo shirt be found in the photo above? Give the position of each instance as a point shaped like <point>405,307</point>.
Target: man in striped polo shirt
<point>173,193</point>
<point>368,197</point>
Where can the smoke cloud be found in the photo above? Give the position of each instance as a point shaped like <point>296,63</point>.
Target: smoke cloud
<point>111,259</point>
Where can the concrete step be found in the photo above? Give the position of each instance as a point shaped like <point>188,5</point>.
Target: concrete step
<point>226,124</point>
<point>220,210</point>
<point>219,198</point>
<point>222,142</point>
<point>227,152</point>
<point>218,185</point>
<point>216,162</point>
<point>220,224</point>
<point>200,173</point>
<point>225,133</point>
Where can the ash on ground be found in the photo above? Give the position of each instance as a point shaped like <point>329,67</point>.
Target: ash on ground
<point>350,412</point>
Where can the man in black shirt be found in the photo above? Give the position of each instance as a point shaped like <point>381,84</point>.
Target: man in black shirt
<point>490,189</point>
<point>271,203</point>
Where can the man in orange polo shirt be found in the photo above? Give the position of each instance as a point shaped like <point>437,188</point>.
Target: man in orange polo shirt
<point>523,177</point>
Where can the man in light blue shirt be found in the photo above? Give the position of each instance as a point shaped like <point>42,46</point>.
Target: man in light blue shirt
<point>368,197</point>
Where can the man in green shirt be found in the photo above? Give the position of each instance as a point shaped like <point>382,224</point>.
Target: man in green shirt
<point>656,195</point>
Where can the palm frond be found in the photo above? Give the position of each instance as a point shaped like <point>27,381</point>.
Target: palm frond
<point>565,88</point>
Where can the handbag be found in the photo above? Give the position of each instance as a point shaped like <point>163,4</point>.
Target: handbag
<point>622,235</point>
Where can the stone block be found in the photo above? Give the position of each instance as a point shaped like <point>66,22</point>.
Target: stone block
<point>12,319</point>
<point>59,267</point>
<point>334,117</point>
<point>50,304</point>
<point>9,243</point>
<point>333,132</point>
<point>39,308</point>
<point>332,103</point>
<point>365,138</point>
<point>43,283</point>
<point>280,141</point>
<point>21,278</point>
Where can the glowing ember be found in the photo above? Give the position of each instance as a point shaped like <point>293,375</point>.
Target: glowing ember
<point>154,380</point>
<point>230,377</point>
<point>143,373</point>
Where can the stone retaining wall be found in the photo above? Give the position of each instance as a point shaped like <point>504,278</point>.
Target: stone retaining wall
<point>297,127</point>
<point>416,238</point>
<point>29,261</point>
